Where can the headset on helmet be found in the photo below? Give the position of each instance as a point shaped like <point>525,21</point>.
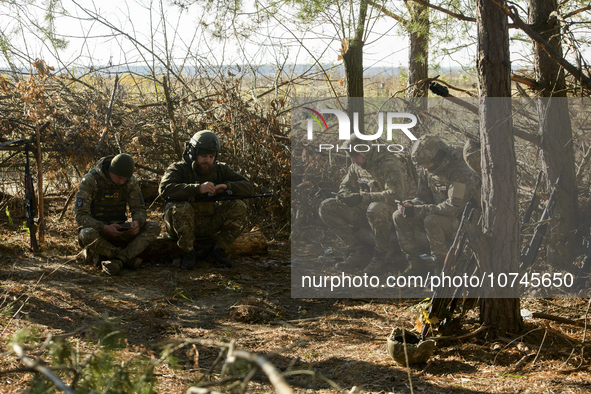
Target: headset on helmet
<point>202,143</point>
<point>429,149</point>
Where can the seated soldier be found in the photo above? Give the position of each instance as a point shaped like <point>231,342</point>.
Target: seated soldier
<point>198,174</point>
<point>366,200</point>
<point>101,205</point>
<point>446,184</point>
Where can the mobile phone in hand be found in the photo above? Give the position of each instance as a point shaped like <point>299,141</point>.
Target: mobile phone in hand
<point>124,227</point>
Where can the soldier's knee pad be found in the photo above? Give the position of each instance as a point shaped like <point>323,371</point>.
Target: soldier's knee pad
<point>331,207</point>
<point>377,207</point>
<point>181,208</point>
<point>397,217</point>
<point>86,236</point>
<point>327,206</point>
<point>236,208</point>
<point>378,212</point>
<point>152,229</point>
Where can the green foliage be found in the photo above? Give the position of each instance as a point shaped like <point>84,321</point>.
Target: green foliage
<point>105,373</point>
<point>9,217</point>
<point>102,371</point>
<point>7,311</point>
<point>27,335</point>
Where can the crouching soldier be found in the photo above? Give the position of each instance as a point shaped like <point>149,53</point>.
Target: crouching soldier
<point>198,175</point>
<point>101,214</point>
<point>366,199</point>
<point>446,184</point>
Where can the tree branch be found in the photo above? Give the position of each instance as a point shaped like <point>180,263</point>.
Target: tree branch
<point>389,13</point>
<point>532,83</point>
<point>41,369</point>
<point>461,17</point>
<point>575,12</point>
<point>573,70</point>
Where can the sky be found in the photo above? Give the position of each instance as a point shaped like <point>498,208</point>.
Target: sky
<point>127,31</point>
<point>140,29</point>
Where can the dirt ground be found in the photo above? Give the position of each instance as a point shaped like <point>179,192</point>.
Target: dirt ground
<point>329,345</point>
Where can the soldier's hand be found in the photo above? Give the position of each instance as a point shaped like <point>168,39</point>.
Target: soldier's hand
<point>351,199</point>
<point>112,230</point>
<point>207,187</point>
<point>220,188</point>
<point>135,228</point>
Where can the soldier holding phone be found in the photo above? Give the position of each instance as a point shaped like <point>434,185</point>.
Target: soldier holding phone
<point>102,200</point>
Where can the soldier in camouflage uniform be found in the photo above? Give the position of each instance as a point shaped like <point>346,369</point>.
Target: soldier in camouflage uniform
<point>198,174</point>
<point>446,184</point>
<point>101,204</point>
<point>366,200</point>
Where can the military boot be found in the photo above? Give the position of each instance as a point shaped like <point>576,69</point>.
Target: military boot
<point>134,264</point>
<point>358,256</point>
<point>91,257</point>
<point>220,257</point>
<point>112,267</point>
<point>378,264</point>
<point>189,260</point>
<point>416,267</point>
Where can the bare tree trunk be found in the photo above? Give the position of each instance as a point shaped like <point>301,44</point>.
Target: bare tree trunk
<point>500,253</point>
<point>556,131</point>
<point>352,51</point>
<point>418,62</point>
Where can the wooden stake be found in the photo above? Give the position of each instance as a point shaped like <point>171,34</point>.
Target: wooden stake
<point>41,224</point>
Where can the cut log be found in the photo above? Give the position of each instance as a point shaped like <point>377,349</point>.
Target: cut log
<point>249,244</point>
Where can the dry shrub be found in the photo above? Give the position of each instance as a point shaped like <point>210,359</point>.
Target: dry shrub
<point>254,142</point>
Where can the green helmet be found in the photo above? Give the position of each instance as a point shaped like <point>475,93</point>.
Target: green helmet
<point>203,142</point>
<point>122,165</point>
<point>429,149</point>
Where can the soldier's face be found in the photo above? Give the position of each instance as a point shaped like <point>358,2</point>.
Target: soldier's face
<point>428,165</point>
<point>359,160</point>
<point>118,180</point>
<point>205,164</point>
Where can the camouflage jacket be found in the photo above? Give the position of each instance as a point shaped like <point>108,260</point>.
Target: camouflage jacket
<point>180,181</point>
<point>447,192</point>
<point>383,180</point>
<point>98,180</point>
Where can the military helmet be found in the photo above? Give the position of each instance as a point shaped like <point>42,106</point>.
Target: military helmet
<point>203,142</point>
<point>122,165</point>
<point>429,149</point>
<point>416,351</point>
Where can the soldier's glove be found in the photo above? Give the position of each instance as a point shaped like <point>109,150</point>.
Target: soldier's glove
<point>350,199</point>
<point>408,212</point>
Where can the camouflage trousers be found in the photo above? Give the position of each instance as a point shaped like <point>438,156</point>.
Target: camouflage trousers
<point>348,222</point>
<point>125,247</point>
<point>432,231</point>
<point>186,222</point>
